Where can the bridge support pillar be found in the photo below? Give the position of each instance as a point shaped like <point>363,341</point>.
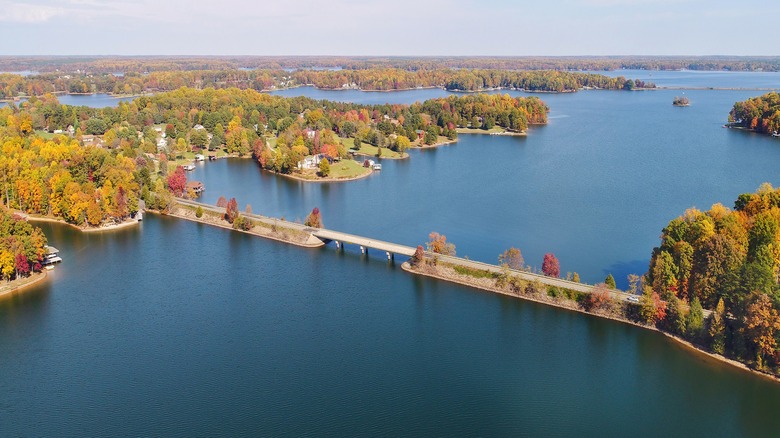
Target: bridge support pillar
<point>338,244</point>
<point>389,255</point>
<point>362,249</point>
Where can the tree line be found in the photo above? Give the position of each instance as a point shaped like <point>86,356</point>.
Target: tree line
<point>727,260</point>
<point>108,64</point>
<point>761,114</point>
<point>379,78</point>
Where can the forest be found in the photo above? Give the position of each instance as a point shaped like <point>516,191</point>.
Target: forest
<point>146,64</point>
<point>384,79</point>
<point>727,261</point>
<point>22,247</point>
<point>761,114</point>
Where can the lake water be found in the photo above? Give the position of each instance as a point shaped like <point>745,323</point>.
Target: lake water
<point>179,329</point>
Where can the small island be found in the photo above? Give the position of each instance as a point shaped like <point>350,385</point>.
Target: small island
<point>681,101</point>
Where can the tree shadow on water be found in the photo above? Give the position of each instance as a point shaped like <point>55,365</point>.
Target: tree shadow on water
<point>621,270</point>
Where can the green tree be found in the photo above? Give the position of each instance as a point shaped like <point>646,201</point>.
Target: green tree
<point>694,322</point>
<point>324,167</point>
<point>610,282</point>
<point>717,330</point>
<point>199,212</point>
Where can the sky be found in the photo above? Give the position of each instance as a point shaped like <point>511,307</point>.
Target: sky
<point>389,28</point>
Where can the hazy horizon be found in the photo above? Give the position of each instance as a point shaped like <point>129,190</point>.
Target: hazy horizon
<point>692,28</point>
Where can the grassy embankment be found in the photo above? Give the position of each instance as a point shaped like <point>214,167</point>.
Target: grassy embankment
<point>276,230</point>
<point>371,150</point>
<point>496,130</point>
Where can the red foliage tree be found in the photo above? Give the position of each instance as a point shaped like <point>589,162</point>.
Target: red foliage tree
<point>419,256</point>
<point>222,202</point>
<point>231,210</point>
<point>314,219</point>
<point>599,297</point>
<point>22,265</point>
<point>177,181</point>
<point>550,266</point>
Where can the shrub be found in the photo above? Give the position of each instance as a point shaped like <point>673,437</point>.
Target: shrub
<point>199,212</point>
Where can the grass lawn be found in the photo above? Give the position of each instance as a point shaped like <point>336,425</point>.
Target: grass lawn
<point>368,149</point>
<point>441,140</point>
<point>44,134</point>
<point>347,169</point>
<point>493,130</point>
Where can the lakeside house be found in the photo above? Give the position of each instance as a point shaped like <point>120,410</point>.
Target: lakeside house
<point>162,145</point>
<point>196,186</point>
<point>312,162</point>
<point>92,140</point>
<point>420,134</point>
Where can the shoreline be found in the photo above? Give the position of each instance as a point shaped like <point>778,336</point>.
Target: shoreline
<point>323,180</point>
<point>568,304</point>
<point>35,218</point>
<point>14,289</point>
<point>185,213</point>
<point>435,145</point>
<point>470,131</point>
<point>360,154</point>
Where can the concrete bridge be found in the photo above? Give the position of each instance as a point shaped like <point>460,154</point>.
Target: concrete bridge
<point>390,249</point>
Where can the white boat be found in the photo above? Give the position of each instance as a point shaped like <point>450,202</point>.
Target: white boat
<point>188,167</point>
<point>377,166</point>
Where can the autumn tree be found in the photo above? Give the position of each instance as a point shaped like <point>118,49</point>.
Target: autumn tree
<point>177,181</point>
<point>651,307</point>
<point>762,323</point>
<point>314,219</point>
<point>550,266</point>
<point>419,256</point>
<point>222,202</point>
<point>600,297</point>
<point>511,258</point>
<point>717,329</point>
<point>231,210</point>
<point>324,167</point>
<point>437,243</point>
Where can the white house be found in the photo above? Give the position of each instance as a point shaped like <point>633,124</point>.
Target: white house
<point>312,162</point>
